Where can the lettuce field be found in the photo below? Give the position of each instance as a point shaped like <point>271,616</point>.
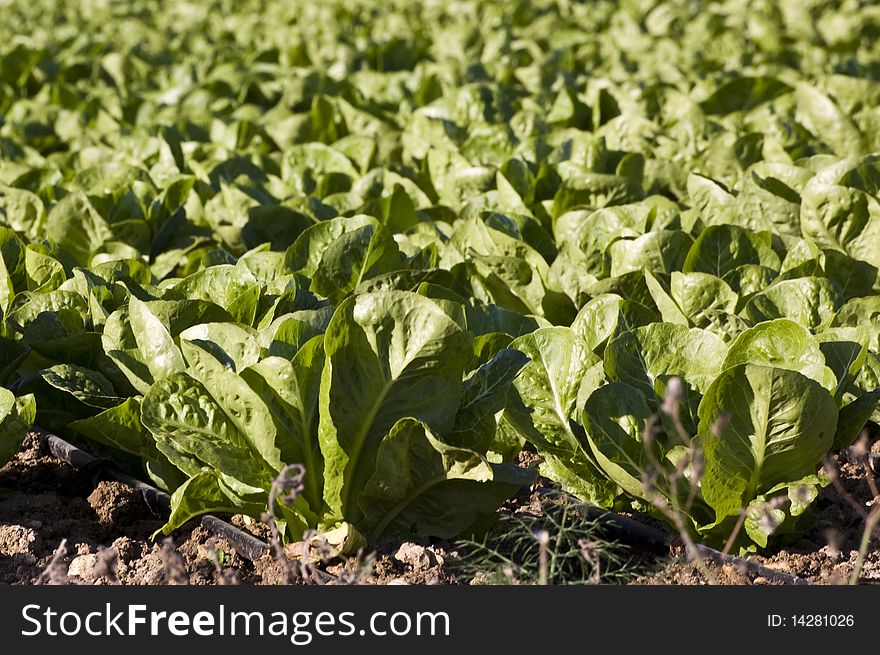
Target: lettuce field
<point>374,269</point>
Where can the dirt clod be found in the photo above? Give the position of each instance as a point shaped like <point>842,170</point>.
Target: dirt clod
<point>17,539</point>
<point>127,549</point>
<point>83,567</point>
<point>116,503</point>
<point>418,558</point>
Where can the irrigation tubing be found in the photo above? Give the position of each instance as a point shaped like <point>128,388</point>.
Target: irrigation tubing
<point>157,500</point>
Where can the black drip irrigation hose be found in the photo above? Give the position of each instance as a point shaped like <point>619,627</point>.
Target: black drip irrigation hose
<point>246,545</point>
<point>158,501</point>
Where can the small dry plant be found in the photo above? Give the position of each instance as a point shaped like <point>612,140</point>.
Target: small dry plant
<point>860,455</point>
<point>559,545</point>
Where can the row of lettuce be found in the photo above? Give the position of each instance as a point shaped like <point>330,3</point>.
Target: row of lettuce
<point>400,243</point>
<point>407,385</point>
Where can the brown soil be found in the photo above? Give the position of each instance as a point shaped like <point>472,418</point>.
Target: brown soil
<point>824,554</point>
<point>107,526</point>
<point>107,529</point>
